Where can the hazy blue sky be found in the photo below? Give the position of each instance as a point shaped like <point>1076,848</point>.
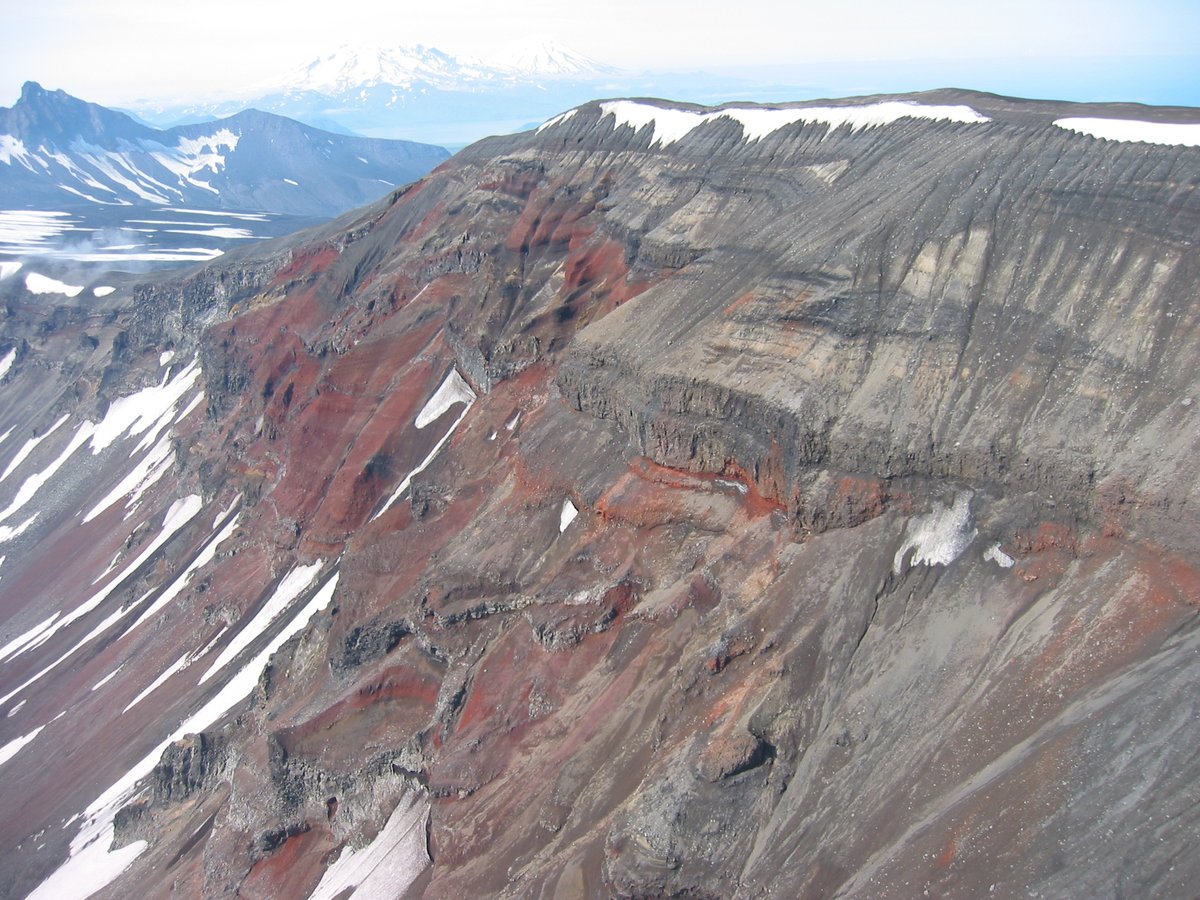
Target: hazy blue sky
<point>120,50</point>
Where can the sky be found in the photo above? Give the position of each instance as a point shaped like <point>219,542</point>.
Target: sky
<point>121,51</point>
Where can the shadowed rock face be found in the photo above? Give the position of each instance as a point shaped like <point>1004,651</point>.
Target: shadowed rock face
<point>817,518</point>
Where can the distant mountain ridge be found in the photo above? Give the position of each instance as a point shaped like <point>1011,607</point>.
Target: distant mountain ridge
<point>57,149</point>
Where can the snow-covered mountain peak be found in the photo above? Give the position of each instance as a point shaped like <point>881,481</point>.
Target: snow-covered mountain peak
<point>354,68</point>
<point>350,67</point>
<point>542,56</point>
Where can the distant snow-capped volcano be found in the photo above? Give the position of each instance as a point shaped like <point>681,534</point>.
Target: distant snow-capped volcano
<point>349,68</point>
<point>540,56</point>
<point>418,92</point>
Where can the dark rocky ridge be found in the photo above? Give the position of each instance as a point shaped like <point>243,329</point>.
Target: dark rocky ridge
<point>758,371</point>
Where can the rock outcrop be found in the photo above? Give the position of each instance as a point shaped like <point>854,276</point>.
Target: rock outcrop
<point>670,502</point>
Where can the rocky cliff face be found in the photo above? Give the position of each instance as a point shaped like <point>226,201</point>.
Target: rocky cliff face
<point>670,502</point>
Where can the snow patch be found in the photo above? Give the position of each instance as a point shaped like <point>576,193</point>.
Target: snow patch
<point>9,750</point>
<point>102,291</point>
<point>35,482</point>
<point>385,867</point>
<point>91,866</point>
<point>1134,131</point>
<point>13,148</point>
<point>292,585</point>
<point>9,268</point>
<point>206,555</point>
<point>8,532</point>
<point>566,515</point>
<point>107,678</point>
<point>453,390</point>
<point>557,120</point>
<point>228,232</point>
<point>153,466</point>
<point>29,447</point>
<point>178,666</point>
<point>938,537</point>
<point>40,284</point>
<point>179,514</point>
<point>670,125</point>
<point>165,357</point>
<point>136,412</point>
<point>998,556</point>
<point>13,647</point>
<point>224,514</point>
<point>6,363</point>
<point>249,217</point>
<point>16,709</point>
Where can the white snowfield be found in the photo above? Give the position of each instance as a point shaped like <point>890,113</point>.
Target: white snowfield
<point>557,120</point>
<point>245,217</point>
<point>566,515</point>
<point>153,466</point>
<point>998,556</point>
<point>178,514</point>
<point>30,445</point>
<point>9,267</point>
<point>452,390</point>
<point>35,482</point>
<point>9,750</point>
<point>938,537</point>
<point>1135,131</point>
<point>147,170</point>
<point>36,283</point>
<point>672,125</point>
<point>28,230</point>
<point>206,555</point>
<point>540,56</point>
<point>292,586</point>
<point>384,868</point>
<point>151,406</point>
<point>226,232</point>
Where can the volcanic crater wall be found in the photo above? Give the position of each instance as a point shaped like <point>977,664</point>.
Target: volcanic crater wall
<point>656,504</point>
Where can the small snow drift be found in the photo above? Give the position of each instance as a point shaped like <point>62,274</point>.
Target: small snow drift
<point>566,515</point>
<point>1133,130</point>
<point>453,390</point>
<point>36,283</point>
<point>938,537</point>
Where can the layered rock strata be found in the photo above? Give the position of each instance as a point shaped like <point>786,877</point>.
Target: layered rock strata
<point>667,502</point>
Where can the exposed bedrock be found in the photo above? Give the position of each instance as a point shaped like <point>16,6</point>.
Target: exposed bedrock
<point>633,511</point>
<point>1001,327</point>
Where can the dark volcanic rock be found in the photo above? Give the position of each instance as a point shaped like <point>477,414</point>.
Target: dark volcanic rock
<point>639,510</point>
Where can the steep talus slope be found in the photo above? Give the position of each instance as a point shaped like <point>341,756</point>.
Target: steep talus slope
<point>669,502</point>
